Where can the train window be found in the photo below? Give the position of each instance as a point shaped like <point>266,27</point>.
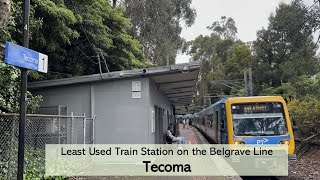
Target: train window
<point>259,119</point>
<point>216,116</point>
<point>223,118</point>
<point>210,119</point>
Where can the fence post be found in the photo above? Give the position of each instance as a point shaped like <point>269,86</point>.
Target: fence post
<point>59,133</point>
<point>93,138</point>
<point>72,133</point>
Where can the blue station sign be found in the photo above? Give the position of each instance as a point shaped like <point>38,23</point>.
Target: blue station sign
<point>25,58</point>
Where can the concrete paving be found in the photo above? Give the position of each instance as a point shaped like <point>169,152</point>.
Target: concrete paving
<point>192,136</point>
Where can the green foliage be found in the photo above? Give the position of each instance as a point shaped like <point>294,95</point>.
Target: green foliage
<point>223,61</point>
<point>303,96</point>
<point>226,28</point>
<point>306,115</point>
<point>103,31</point>
<point>302,86</point>
<point>284,62</point>
<point>239,57</point>
<point>72,34</point>
<point>156,23</point>
<point>10,92</point>
<point>34,165</point>
<point>285,50</point>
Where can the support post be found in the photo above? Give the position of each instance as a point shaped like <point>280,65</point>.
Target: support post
<point>23,92</point>
<point>93,136</point>
<point>250,82</point>
<point>245,77</point>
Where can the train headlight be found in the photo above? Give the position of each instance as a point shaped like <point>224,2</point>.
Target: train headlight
<point>284,142</point>
<point>239,142</point>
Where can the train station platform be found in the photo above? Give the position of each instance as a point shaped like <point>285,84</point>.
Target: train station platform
<point>193,136</point>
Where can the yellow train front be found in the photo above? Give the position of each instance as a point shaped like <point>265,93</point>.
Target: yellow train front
<point>247,120</point>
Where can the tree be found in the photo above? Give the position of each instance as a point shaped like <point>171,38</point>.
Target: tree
<point>226,28</point>
<point>73,33</point>
<point>4,12</point>
<point>9,75</point>
<point>156,23</point>
<point>285,50</point>
<point>302,96</point>
<point>10,93</point>
<point>223,61</point>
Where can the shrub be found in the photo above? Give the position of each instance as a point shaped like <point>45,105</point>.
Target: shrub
<point>305,113</point>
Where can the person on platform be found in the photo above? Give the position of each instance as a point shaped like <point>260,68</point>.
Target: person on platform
<point>184,123</point>
<point>187,123</point>
<point>181,140</point>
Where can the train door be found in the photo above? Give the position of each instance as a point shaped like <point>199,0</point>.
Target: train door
<point>216,126</point>
<point>223,126</point>
<point>204,123</point>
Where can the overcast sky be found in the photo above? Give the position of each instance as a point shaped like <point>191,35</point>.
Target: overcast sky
<point>249,16</point>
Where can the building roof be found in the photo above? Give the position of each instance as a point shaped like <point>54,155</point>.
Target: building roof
<point>177,81</point>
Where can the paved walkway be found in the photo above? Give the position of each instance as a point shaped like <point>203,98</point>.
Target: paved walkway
<point>192,136</point>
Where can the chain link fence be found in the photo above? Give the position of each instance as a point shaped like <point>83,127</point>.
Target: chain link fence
<point>40,130</point>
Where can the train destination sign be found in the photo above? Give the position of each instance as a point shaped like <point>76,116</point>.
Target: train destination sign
<point>25,58</point>
<point>254,108</point>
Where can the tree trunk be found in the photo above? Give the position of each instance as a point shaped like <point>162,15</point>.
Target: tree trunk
<point>114,3</point>
<point>4,12</point>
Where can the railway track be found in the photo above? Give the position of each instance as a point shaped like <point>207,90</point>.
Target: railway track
<point>317,143</point>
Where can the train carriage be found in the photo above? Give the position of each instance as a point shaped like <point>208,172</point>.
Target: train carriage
<point>247,120</point>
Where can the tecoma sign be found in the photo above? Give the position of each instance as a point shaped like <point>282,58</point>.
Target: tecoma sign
<point>25,58</point>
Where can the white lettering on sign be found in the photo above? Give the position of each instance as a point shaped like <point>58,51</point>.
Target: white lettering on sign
<point>43,63</point>
<point>136,85</point>
<point>262,141</point>
<point>30,59</point>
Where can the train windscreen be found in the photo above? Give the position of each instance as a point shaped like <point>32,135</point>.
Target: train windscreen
<point>258,119</point>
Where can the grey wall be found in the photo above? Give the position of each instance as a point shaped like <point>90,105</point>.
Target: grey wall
<point>120,118</point>
<point>75,97</point>
<point>157,98</point>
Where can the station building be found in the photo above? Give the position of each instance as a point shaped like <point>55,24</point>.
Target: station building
<point>129,107</point>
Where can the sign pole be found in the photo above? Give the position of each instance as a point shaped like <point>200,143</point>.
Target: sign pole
<point>23,93</point>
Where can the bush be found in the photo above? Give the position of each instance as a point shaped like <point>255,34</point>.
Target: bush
<point>305,113</point>
<point>34,165</point>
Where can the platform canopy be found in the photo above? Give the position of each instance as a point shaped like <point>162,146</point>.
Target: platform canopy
<point>177,82</point>
<point>179,85</point>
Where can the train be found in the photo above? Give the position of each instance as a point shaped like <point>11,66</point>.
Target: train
<point>247,120</point>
